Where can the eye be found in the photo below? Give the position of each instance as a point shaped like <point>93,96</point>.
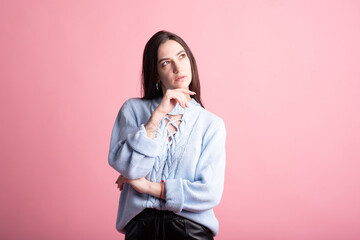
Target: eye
<point>182,55</point>
<point>164,63</point>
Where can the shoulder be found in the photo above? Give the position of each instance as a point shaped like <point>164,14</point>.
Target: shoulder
<point>212,128</point>
<point>210,118</point>
<point>139,104</point>
<point>137,109</point>
<point>211,121</point>
<point>135,102</point>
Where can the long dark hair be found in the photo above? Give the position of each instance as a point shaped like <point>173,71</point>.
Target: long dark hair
<point>149,67</point>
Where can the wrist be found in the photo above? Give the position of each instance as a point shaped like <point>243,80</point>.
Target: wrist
<point>153,124</point>
<point>154,189</point>
<point>149,187</point>
<point>155,119</point>
<point>157,114</point>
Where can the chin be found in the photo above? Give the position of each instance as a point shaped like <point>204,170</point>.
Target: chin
<point>182,85</point>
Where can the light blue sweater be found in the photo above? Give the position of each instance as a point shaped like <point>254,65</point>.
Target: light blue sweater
<point>192,163</point>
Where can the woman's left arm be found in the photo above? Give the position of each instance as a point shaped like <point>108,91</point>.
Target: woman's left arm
<point>142,185</point>
<point>205,192</point>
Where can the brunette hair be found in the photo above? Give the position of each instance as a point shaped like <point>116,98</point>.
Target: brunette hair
<point>149,67</point>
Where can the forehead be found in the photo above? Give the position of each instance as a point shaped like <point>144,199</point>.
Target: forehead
<point>169,49</point>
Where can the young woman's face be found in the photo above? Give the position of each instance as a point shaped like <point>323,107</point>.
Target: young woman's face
<point>173,66</point>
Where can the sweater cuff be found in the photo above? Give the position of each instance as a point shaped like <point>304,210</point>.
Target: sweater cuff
<point>141,143</point>
<point>174,195</point>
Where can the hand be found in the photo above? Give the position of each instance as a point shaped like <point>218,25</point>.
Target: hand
<point>141,185</point>
<point>168,102</point>
<point>171,98</point>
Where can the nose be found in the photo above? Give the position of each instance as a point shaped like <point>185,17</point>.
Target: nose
<point>176,67</point>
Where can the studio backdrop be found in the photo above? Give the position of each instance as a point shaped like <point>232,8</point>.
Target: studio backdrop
<point>284,76</point>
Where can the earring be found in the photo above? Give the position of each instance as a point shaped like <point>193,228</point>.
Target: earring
<point>157,86</point>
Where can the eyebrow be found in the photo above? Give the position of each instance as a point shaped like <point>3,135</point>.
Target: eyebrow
<point>169,58</point>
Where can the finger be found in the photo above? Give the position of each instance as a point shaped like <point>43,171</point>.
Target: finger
<point>179,100</point>
<point>170,92</point>
<point>187,91</point>
<point>173,96</point>
<point>118,179</point>
<point>120,185</point>
<point>122,180</point>
<point>184,101</point>
<point>184,98</point>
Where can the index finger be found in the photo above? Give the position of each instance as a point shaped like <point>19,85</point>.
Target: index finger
<point>188,91</point>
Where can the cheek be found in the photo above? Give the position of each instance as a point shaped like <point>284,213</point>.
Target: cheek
<point>161,72</point>
<point>164,75</point>
<point>187,64</point>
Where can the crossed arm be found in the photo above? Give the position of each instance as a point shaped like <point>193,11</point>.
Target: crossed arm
<point>142,185</point>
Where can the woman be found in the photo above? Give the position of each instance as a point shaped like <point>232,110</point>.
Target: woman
<point>169,151</point>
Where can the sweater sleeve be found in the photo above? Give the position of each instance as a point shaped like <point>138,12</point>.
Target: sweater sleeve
<point>132,152</point>
<point>205,192</point>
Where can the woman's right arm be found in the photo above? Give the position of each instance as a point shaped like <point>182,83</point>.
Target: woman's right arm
<point>133,148</point>
<point>132,152</point>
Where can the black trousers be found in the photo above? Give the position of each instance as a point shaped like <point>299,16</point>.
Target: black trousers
<point>152,224</point>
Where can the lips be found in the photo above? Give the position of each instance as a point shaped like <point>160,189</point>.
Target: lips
<point>180,78</point>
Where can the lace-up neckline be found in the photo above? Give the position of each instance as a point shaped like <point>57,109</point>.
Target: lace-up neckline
<point>171,138</point>
<point>172,123</point>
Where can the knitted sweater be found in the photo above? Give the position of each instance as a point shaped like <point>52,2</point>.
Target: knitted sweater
<point>192,162</point>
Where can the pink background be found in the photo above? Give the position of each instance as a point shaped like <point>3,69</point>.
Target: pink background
<point>284,75</point>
